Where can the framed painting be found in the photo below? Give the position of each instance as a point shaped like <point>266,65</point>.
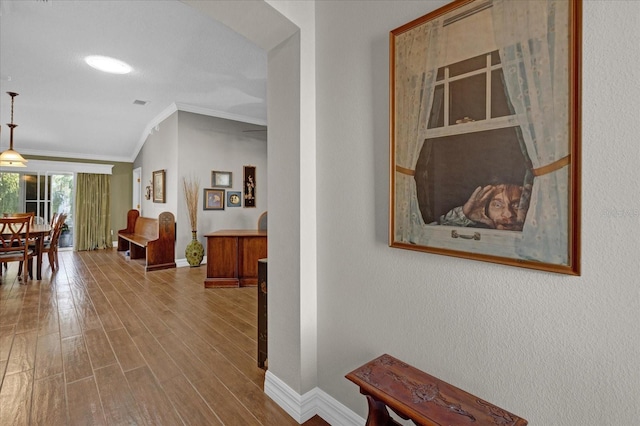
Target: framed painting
<point>485,133</point>
<point>158,186</point>
<point>234,198</point>
<point>221,179</point>
<point>249,186</point>
<point>213,199</point>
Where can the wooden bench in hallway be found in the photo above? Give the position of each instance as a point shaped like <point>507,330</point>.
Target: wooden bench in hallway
<point>150,239</point>
<point>415,395</point>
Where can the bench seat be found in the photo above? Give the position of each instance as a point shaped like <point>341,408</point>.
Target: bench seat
<point>150,239</point>
<point>425,400</point>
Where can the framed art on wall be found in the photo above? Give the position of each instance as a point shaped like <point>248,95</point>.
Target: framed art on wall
<point>158,186</point>
<point>485,133</point>
<point>213,199</point>
<point>234,198</point>
<point>249,186</point>
<point>221,179</point>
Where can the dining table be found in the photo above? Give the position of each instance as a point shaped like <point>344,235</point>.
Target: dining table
<point>38,232</point>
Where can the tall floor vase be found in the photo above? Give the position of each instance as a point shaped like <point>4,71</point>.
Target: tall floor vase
<point>194,251</point>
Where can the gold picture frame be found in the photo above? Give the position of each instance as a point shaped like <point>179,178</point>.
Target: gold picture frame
<point>485,133</point>
<point>159,186</point>
<point>213,199</point>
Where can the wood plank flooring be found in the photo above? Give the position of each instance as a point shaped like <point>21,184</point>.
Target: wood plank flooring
<point>101,342</point>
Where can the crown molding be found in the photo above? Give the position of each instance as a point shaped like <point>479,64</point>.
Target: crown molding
<point>61,167</point>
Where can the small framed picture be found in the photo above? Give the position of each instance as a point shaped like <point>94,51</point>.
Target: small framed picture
<point>234,198</point>
<point>213,199</point>
<point>158,186</point>
<point>249,186</point>
<point>221,179</point>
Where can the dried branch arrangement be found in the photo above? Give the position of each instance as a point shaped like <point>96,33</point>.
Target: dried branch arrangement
<point>191,193</point>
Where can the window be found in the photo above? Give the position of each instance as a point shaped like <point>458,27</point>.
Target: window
<point>41,193</point>
<point>9,192</point>
<point>469,91</point>
<point>472,139</point>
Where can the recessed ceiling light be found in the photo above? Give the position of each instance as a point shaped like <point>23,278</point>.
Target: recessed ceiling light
<point>107,64</point>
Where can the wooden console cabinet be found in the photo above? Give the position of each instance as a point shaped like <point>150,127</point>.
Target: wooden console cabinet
<point>232,257</point>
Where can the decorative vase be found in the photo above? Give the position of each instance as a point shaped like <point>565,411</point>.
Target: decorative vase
<point>194,251</point>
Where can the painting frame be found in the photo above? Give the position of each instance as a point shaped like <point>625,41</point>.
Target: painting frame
<point>545,227</point>
<point>249,186</point>
<point>213,199</point>
<point>221,179</point>
<point>158,186</point>
<point>234,199</point>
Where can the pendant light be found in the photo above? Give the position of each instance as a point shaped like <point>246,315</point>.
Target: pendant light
<point>11,158</point>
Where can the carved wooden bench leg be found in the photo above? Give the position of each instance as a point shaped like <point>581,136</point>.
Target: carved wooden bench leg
<point>378,414</point>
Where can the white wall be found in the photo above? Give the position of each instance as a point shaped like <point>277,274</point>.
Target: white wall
<point>160,152</point>
<point>292,177</point>
<point>555,349</point>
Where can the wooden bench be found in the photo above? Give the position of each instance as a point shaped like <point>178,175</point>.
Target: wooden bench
<point>150,239</point>
<point>417,396</point>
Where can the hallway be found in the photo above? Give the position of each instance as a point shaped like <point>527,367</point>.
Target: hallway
<point>101,342</point>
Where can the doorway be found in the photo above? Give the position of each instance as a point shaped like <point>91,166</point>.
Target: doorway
<point>136,203</point>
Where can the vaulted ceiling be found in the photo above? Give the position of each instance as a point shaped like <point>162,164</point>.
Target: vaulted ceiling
<point>181,59</point>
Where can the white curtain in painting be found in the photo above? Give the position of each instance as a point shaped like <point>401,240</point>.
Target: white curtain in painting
<point>417,55</point>
<point>532,38</point>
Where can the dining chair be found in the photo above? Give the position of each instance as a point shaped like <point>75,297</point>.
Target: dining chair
<point>14,242</point>
<point>51,245</point>
<point>30,215</point>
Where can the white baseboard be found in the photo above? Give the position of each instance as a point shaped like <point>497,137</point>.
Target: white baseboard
<point>180,263</point>
<point>316,401</point>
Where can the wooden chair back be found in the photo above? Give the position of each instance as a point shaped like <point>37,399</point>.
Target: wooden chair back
<point>30,215</point>
<point>56,228</point>
<point>52,222</point>
<point>51,246</point>
<point>14,240</point>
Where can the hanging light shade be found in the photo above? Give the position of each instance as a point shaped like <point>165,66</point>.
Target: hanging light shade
<point>11,157</point>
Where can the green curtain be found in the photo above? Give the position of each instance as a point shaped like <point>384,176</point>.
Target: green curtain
<point>92,218</point>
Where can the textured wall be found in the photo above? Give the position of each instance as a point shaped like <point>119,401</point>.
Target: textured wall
<point>555,349</point>
<point>160,152</point>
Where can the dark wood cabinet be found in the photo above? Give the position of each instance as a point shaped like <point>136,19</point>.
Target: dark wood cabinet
<point>262,312</point>
<point>232,257</point>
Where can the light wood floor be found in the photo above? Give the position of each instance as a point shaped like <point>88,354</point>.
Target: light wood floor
<point>101,342</point>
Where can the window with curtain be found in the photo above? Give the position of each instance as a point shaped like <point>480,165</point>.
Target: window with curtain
<point>470,140</point>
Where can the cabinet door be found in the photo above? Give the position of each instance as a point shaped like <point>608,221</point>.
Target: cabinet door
<point>249,251</point>
<point>221,257</point>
